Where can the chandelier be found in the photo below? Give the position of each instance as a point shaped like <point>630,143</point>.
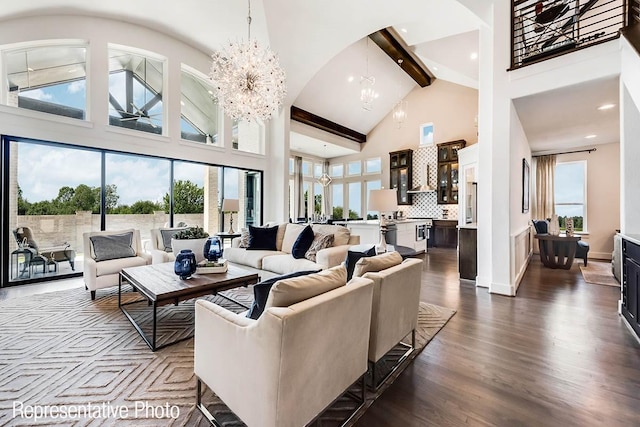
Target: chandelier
<point>249,82</point>
<point>367,93</point>
<point>324,179</point>
<point>400,111</point>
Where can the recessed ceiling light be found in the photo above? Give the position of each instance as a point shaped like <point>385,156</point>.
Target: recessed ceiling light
<point>606,106</point>
<point>210,92</point>
<point>182,103</point>
<point>590,136</point>
<point>404,30</point>
<point>73,70</point>
<point>29,69</point>
<point>435,68</point>
<point>350,79</point>
<point>474,55</point>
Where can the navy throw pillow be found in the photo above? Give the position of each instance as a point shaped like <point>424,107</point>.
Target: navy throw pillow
<point>302,243</point>
<point>353,257</point>
<point>261,292</point>
<point>262,238</point>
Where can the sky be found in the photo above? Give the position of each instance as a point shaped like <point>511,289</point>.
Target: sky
<point>569,187</point>
<point>43,170</point>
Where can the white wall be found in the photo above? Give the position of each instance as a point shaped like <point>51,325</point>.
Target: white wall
<point>603,197</point>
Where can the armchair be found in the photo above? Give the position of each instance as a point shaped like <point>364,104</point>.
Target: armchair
<point>58,253</point>
<point>161,250</point>
<point>106,253</point>
<point>286,367</point>
<point>582,248</point>
<point>396,301</point>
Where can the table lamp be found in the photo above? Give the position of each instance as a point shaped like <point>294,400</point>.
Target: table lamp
<point>383,201</point>
<point>231,206</point>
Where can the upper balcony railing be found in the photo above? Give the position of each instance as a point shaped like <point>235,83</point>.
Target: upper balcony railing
<point>545,29</point>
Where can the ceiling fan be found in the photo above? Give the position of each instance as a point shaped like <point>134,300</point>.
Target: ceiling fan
<point>139,113</point>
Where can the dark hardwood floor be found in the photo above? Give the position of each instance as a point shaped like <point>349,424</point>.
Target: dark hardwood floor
<point>557,354</point>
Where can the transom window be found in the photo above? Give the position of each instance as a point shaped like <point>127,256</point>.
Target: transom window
<point>198,109</point>
<point>135,91</point>
<point>50,79</point>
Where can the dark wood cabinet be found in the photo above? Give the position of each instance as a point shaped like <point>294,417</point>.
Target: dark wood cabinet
<point>448,171</point>
<point>468,253</point>
<point>631,284</point>
<point>401,174</point>
<point>445,233</point>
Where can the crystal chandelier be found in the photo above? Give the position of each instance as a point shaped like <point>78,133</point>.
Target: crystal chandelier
<point>367,93</point>
<point>400,111</point>
<point>249,82</point>
<point>324,179</point>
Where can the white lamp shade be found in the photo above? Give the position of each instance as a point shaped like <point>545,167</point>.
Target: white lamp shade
<point>230,205</point>
<point>383,200</point>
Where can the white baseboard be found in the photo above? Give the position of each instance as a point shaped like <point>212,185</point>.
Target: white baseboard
<point>599,255</point>
<point>503,289</point>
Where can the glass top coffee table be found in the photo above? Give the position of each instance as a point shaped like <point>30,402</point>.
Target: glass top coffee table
<point>161,286</point>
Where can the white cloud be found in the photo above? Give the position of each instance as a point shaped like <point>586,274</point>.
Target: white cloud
<point>38,94</point>
<point>77,86</point>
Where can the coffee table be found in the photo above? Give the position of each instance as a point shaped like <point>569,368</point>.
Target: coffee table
<point>161,286</point>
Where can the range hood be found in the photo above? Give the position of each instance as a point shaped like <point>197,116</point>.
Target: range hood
<point>425,187</point>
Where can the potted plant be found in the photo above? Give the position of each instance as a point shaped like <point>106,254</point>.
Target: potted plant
<point>193,238</point>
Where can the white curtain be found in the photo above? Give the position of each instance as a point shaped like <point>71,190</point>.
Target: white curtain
<point>298,188</point>
<point>544,206</point>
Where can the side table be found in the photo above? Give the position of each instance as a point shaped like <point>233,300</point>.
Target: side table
<point>557,251</point>
<point>229,236</point>
<point>21,270</point>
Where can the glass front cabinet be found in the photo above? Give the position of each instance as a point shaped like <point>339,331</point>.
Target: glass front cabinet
<point>448,171</point>
<point>400,173</point>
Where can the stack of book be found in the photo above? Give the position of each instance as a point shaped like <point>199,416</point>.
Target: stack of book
<point>208,267</point>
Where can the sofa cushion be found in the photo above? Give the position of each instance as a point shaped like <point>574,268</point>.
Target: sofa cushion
<point>112,246</point>
<point>291,291</point>
<point>320,241</point>
<point>244,238</point>
<point>280,263</point>
<point>166,234</point>
<point>354,256</point>
<point>115,266</point>
<point>340,234</point>
<point>262,238</point>
<point>261,292</point>
<point>243,256</point>
<point>377,263</point>
<point>302,243</point>
<point>291,233</point>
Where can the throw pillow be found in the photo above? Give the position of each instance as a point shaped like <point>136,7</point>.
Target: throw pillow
<point>320,241</point>
<point>113,246</point>
<point>167,235</point>
<point>353,257</point>
<point>261,292</point>
<point>244,238</point>
<point>291,233</point>
<point>302,243</point>
<point>262,238</point>
<point>341,234</point>
<point>291,291</point>
<point>377,263</point>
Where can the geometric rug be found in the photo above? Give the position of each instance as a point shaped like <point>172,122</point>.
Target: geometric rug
<point>599,273</point>
<point>68,360</point>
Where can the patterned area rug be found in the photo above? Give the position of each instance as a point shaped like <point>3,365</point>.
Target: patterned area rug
<point>83,363</point>
<point>599,273</point>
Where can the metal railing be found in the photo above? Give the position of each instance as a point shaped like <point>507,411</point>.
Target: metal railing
<point>633,12</point>
<point>543,29</point>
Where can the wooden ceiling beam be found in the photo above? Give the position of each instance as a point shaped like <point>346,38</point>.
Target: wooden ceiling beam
<point>302,116</point>
<point>393,46</point>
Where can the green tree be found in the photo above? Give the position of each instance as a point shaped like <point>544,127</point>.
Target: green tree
<point>65,194</point>
<point>337,212</point>
<point>84,199</point>
<point>317,203</point>
<point>187,198</point>
<point>23,205</point>
<point>145,207</point>
<point>353,214</point>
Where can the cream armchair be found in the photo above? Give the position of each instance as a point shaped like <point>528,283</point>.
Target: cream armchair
<point>285,368</point>
<point>161,244</point>
<point>396,299</point>
<point>108,254</point>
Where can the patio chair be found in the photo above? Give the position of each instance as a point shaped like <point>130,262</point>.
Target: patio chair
<point>62,252</point>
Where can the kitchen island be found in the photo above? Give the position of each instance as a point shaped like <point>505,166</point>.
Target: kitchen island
<point>409,232</point>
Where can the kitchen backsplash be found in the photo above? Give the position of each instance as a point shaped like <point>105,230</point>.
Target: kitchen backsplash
<point>426,204</point>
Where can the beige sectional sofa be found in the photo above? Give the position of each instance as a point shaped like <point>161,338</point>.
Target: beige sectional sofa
<point>274,263</point>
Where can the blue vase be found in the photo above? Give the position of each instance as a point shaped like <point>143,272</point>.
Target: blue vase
<point>185,264</point>
<point>213,248</point>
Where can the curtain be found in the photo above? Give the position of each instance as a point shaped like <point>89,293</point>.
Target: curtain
<point>298,188</point>
<point>544,201</point>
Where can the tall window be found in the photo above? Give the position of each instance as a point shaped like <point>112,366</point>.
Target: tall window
<point>372,185</point>
<point>355,200</point>
<point>198,109</point>
<point>135,91</point>
<point>570,189</point>
<point>337,201</point>
<point>51,79</point>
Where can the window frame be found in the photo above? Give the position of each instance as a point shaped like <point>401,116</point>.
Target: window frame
<point>584,189</point>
